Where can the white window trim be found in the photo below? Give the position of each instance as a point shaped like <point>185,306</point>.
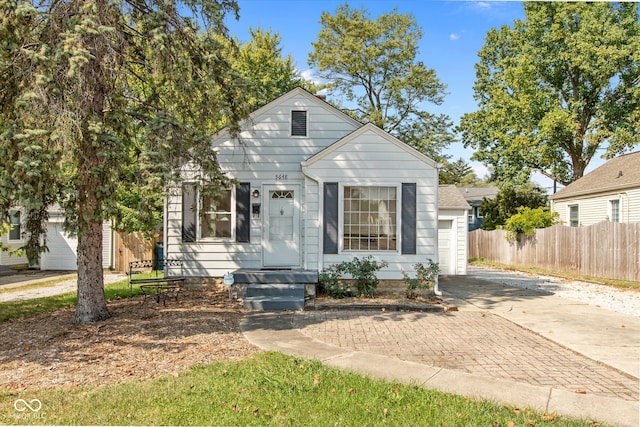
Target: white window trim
<point>21,239</point>
<point>610,209</point>
<point>341,249</point>
<point>574,205</point>
<point>291,123</point>
<point>199,237</point>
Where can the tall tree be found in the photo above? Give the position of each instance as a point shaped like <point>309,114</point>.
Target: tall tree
<point>98,92</point>
<point>556,88</point>
<point>268,72</point>
<point>458,173</point>
<point>373,64</point>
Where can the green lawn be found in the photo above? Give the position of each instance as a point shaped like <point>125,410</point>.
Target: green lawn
<point>266,389</point>
<point>17,309</point>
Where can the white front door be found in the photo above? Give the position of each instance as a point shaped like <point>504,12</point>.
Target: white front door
<point>281,239</point>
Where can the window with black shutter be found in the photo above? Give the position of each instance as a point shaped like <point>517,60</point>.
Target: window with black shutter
<point>298,123</point>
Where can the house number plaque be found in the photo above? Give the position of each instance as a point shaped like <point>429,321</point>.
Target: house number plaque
<point>281,177</point>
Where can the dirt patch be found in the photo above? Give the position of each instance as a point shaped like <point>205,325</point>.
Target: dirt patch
<point>392,296</point>
<point>139,341</point>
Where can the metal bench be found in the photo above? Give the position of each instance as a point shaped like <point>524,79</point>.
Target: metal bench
<point>160,287</point>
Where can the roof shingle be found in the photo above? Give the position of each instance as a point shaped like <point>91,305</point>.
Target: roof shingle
<point>616,174</point>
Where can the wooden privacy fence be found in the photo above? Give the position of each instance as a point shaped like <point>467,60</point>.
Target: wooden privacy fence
<point>606,250</point>
<point>131,247</point>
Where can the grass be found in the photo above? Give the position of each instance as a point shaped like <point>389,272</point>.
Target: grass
<point>17,309</point>
<point>618,284</point>
<point>267,389</point>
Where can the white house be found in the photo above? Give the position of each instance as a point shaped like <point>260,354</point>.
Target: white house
<point>609,193</point>
<point>316,187</point>
<point>62,247</point>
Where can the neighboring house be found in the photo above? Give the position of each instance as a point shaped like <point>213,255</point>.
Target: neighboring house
<point>609,193</point>
<point>474,196</point>
<point>62,253</point>
<point>452,230</point>
<point>316,187</point>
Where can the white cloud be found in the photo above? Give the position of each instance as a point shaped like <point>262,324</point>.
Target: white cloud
<point>310,76</point>
<point>454,36</point>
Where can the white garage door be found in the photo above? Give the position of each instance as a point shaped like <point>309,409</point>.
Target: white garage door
<point>63,249</point>
<point>446,247</point>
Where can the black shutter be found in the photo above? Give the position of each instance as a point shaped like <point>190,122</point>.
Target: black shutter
<point>189,212</point>
<point>408,218</point>
<point>243,214</point>
<point>330,218</point>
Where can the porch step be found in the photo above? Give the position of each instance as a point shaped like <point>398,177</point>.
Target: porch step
<point>274,297</point>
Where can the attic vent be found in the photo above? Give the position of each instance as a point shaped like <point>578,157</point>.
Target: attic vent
<point>298,123</point>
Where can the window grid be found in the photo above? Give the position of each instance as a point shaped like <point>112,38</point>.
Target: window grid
<point>216,217</point>
<point>15,233</point>
<point>574,219</point>
<point>615,210</point>
<point>370,218</point>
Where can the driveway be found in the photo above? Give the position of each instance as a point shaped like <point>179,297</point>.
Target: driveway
<point>506,343</point>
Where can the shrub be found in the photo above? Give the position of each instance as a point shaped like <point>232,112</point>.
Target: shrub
<point>331,282</point>
<point>362,271</point>
<point>426,277</point>
<point>527,220</point>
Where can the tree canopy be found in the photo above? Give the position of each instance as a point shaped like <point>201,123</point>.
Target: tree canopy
<point>555,88</point>
<point>510,198</point>
<point>101,96</point>
<point>458,173</point>
<point>372,64</point>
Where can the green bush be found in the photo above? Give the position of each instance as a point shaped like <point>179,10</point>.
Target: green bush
<point>426,277</point>
<point>527,220</point>
<point>362,271</point>
<point>331,283</point>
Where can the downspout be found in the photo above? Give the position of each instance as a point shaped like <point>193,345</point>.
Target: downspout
<point>436,289</point>
<point>320,182</point>
<point>626,206</point>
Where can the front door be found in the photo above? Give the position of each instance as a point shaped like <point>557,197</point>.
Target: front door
<point>281,239</point>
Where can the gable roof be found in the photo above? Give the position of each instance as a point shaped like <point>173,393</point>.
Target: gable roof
<point>298,91</point>
<point>369,127</point>
<point>450,197</point>
<point>617,174</point>
<point>477,194</point>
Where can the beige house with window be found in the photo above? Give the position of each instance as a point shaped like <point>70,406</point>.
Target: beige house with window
<point>315,188</point>
<point>608,193</point>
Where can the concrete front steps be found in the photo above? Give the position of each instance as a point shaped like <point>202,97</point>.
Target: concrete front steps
<point>275,290</point>
<point>274,297</point>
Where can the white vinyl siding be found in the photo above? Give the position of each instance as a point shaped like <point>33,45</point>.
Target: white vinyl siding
<point>368,159</point>
<point>264,154</point>
<point>457,245</point>
<point>597,208</point>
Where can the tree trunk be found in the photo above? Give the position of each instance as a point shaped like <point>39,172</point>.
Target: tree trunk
<point>92,306</point>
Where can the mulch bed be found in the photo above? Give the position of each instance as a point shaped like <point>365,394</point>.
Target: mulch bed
<point>139,341</point>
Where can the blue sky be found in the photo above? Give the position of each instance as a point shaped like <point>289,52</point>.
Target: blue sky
<point>453,33</point>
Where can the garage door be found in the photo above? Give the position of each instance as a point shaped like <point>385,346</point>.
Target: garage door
<point>446,247</point>
<point>62,253</point>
